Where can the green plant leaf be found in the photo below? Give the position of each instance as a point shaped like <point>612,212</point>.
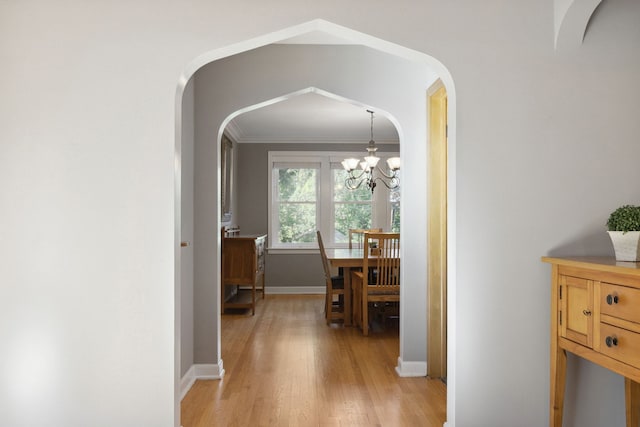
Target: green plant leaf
<point>625,218</point>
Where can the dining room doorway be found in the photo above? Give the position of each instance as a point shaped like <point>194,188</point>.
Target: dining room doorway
<point>412,359</point>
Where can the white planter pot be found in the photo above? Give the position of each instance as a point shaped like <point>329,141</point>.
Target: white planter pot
<point>626,245</point>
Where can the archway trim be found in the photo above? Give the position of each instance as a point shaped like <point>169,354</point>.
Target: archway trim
<point>571,19</point>
<point>374,43</point>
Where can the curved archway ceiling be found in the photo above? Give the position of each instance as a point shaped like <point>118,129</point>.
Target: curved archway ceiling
<point>311,117</point>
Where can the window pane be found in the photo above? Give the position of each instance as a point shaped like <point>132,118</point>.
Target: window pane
<point>394,199</point>
<point>395,217</point>
<point>297,222</point>
<point>342,194</point>
<point>297,184</point>
<point>350,215</point>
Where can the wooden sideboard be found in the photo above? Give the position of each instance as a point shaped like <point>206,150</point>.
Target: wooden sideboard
<point>595,314</point>
<point>243,262</point>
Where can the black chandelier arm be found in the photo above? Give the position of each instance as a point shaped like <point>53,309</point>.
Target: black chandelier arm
<point>394,182</point>
<point>354,183</point>
<point>392,176</point>
<point>353,176</point>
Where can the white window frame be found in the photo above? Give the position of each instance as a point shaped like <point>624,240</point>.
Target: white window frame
<point>381,209</point>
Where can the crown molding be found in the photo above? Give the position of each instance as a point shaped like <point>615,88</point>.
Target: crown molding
<point>312,141</point>
<point>233,132</point>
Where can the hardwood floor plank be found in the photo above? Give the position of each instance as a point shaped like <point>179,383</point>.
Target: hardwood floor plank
<point>286,367</point>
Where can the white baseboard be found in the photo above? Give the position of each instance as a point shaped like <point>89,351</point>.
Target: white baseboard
<point>187,382</point>
<point>296,290</point>
<point>200,372</point>
<point>411,369</point>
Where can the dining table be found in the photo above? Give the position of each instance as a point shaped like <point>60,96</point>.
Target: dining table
<point>347,259</point>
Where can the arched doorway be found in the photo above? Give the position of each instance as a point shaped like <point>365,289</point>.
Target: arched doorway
<point>412,360</point>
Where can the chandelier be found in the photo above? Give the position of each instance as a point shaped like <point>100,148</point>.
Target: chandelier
<point>356,178</point>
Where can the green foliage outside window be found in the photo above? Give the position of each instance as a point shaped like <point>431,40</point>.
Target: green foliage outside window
<point>352,208</point>
<point>350,216</point>
<point>395,218</point>
<point>297,223</point>
<point>297,185</point>
<point>297,205</point>
<point>394,198</point>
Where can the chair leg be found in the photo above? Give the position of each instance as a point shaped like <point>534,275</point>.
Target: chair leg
<point>355,302</point>
<point>365,314</point>
<point>327,307</point>
<point>356,308</point>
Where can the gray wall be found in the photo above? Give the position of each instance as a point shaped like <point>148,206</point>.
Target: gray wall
<point>253,180</point>
<point>547,147</point>
<point>187,235</point>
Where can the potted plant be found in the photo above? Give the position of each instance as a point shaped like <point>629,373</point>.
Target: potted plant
<point>624,229</point>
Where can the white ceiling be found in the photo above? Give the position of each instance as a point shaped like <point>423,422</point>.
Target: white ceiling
<point>311,117</point>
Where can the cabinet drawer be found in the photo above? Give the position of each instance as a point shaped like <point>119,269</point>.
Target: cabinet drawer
<point>620,344</point>
<point>620,301</point>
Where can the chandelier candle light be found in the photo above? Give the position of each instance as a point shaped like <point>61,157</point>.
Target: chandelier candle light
<point>370,163</point>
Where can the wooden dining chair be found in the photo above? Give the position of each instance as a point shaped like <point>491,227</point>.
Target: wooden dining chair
<point>356,236</point>
<point>379,280</point>
<point>334,299</point>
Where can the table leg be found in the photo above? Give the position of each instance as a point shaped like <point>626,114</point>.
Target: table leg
<point>558,377</point>
<point>632,400</point>
<point>558,357</point>
<point>347,296</point>
<point>253,299</point>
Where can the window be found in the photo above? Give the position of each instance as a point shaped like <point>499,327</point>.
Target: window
<point>351,208</point>
<point>307,193</point>
<point>296,201</point>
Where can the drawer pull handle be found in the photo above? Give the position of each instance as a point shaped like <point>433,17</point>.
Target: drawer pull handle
<point>612,299</point>
<point>611,341</point>
<point>586,312</point>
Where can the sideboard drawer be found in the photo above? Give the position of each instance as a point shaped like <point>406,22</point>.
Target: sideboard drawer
<point>620,344</point>
<point>620,301</point>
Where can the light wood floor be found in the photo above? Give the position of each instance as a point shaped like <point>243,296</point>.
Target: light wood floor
<point>286,367</point>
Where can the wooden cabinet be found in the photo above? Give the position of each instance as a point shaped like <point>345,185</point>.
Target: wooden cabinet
<point>595,314</point>
<point>243,264</point>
